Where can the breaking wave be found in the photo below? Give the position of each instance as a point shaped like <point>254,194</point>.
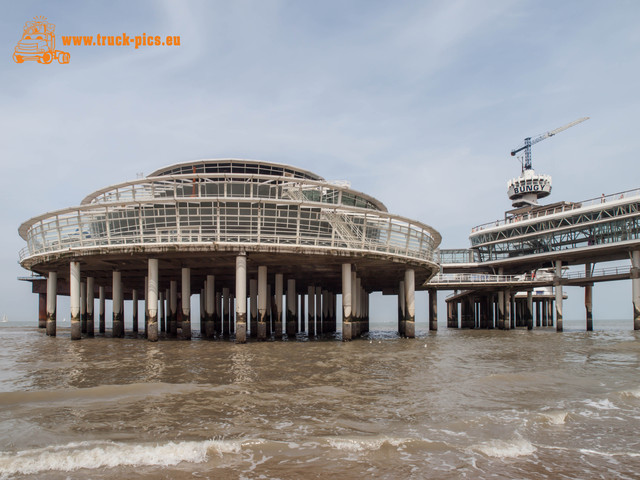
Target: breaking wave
<point>75,456</point>
<point>362,444</point>
<point>506,449</point>
<point>558,417</point>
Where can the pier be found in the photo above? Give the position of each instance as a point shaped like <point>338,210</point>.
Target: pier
<point>231,232</point>
<point>515,270</point>
<point>268,249</point>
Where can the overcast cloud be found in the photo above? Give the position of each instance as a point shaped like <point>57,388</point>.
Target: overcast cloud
<point>416,103</point>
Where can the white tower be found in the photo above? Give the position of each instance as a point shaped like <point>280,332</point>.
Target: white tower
<point>528,188</point>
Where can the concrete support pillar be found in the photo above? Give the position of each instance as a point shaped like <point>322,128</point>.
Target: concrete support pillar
<point>52,304</point>
<point>90,296</point>
<point>302,314</point>
<point>145,294</point>
<point>262,303</point>
<point>346,302</point>
<point>401,309</point>
<point>311,306</point>
<point>173,308</point>
<point>529,312</point>
<point>518,311</point>
<point>332,312</point>
<point>292,307</point>
<point>331,318</point>
<point>588,299</point>
<point>410,302</point>
<point>218,319</point>
<point>466,310</point>
<point>558,287</point>
<point>311,310</point>
<point>318,310</point>
<point>232,326</point>
<point>433,309</point>
<point>450,314</point>
<point>167,308</point>
<point>203,333</point>
<point>151,299</point>
<point>274,313</point>
<point>269,301</point>
<point>538,316</point>
<point>134,307</point>
<point>456,316</point>
<point>74,300</point>
<point>186,303</point>
<point>241,298</point>
<point>321,315</point>
<point>508,309</point>
<point>227,309</point>
<point>83,306</point>
<point>635,287</point>
<point>209,309</point>
<point>325,311</point>
<point>117,325</point>
<point>588,306</point>
<point>101,311</point>
<point>359,307</point>
<point>277,323</point>
<point>491,310</point>
<point>501,316</point>
<point>355,312</point>
<point>42,310</point>
<point>253,307</point>
<point>162,312</point>
<point>365,307</point>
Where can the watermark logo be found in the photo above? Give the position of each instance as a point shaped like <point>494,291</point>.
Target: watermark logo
<point>38,43</point>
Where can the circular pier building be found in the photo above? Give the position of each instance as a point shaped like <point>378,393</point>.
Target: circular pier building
<point>230,232</point>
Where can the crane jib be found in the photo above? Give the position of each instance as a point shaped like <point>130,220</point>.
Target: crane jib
<point>528,142</point>
<point>513,152</point>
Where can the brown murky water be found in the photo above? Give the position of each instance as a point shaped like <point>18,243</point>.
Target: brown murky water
<point>474,404</point>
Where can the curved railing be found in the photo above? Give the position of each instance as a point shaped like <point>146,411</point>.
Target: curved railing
<point>230,220</point>
<point>242,166</point>
<point>233,185</point>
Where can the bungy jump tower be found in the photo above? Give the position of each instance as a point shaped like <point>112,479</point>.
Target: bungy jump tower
<point>227,230</point>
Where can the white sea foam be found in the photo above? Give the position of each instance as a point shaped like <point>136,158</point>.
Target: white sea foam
<point>506,449</point>
<point>608,454</point>
<point>557,417</point>
<point>74,456</point>
<point>362,444</point>
<point>603,404</point>
<point>631,393</point>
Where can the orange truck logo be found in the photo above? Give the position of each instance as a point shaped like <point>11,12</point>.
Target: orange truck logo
<point>38,43</point>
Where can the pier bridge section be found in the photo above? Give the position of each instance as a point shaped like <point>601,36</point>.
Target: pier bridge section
<point>514,272</point>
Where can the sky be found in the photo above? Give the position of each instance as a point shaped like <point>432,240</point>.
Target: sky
<point>417,103</point>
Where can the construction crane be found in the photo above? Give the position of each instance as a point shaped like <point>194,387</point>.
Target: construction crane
<point>528,142</point>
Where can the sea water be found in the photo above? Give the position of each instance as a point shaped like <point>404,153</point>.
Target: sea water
<point>448,404</point>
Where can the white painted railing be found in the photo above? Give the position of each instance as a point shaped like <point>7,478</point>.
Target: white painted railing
<point>602,200</point>
<point>475,278</point>
<point>229,220</point>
